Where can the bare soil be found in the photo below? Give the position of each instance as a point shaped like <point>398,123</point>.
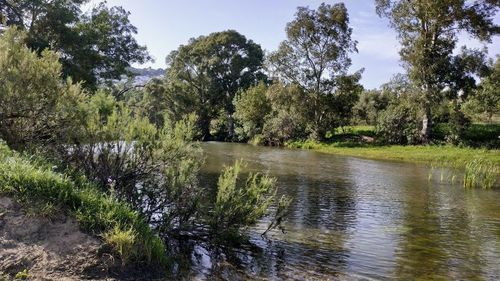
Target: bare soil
<point>49,249</point>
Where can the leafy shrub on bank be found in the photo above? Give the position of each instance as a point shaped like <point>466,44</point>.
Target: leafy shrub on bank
<point>37,106</point>
<point>399,124</point>
<point>152,169</point>
<point>238,203</point>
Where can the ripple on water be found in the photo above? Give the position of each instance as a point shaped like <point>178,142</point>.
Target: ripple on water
<point>357,219</point>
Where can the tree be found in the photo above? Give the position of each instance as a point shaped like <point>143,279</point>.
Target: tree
<point>486,98</point>
<point>37,106</point>
<point>215,68</point>
<point>289,117</point>
<point>428,33</point>
<point>315,56</point>
<point>370,104</point>
<point>251,108</point>
<point>93,47</point>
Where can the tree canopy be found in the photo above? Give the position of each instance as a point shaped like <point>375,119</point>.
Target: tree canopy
<point>428,33</point>
<point>315,56</point>
<point>93,47</point>
<point>215,68</point>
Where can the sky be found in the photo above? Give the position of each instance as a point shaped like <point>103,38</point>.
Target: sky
<point>163,25</point>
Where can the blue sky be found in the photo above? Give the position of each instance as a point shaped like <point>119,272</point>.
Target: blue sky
<point>163,25</point>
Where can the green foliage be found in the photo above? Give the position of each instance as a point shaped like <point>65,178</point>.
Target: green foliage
<point>370,104</point>
<point>288,117</point>
<point>486,99</point>
<point>251,108</point>
<point>122,241</point>
<point>240,204</point>
<point>22,275</point>
<point>95,211</point>
<point>428,32</point>
<point>96,46</point>
<point>37,106</point>
<point>153,169</point>
<point>160,102</point>
<point>315,57</point>
<point>213,69</point>
<point>399,123</point>
<point>481,173</point>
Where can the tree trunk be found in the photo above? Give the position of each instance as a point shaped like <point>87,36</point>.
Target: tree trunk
<point>426,131</point>
<point>204,123</point>
<point>230,127</point>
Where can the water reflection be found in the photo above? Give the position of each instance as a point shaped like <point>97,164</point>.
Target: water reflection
<point>355,219</point>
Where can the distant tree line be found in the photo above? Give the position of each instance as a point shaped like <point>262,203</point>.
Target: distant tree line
<point>303,90</point>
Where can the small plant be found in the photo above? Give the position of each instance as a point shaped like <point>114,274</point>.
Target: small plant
<point>282,212</point>
<point>122,241</point>
<point>22,275</point>
<point>240,204</point>
<point>45,210</point>
<point>480,173</point>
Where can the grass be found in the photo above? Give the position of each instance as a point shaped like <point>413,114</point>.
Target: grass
<point>481,167</point>
<point>97,213</point>
<point>123,242</point>
<point>480,173</point>
<point>424,154</point>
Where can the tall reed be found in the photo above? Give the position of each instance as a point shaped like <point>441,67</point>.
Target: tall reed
<point>480,173</point>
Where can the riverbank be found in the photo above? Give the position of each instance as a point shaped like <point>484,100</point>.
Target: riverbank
<point>430,154</point>
<point>42,200</point>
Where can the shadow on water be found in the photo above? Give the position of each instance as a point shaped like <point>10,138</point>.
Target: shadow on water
<point>353,219</point>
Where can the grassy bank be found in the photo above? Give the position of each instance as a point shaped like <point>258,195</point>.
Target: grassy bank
<point>34,183</point>
<point>424,154</point>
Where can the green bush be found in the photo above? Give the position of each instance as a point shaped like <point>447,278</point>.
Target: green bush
<point>399,124</point>
<point>152,169</point>
<point>240,204</point>
<point>251,108</point>
<point>37,106</point>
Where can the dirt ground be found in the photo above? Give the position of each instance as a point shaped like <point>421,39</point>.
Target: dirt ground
<point>52,249</point>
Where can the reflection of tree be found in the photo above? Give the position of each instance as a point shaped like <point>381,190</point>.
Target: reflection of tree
<point>420,253</point>
<point>323,211</point>
<point>438,242</point>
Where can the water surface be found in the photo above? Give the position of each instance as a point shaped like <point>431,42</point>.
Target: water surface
<point>357,219</point>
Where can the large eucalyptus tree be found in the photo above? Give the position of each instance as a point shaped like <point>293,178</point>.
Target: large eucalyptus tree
<point>315,56</point>
<point>214,68</point>
<point>428,31</point>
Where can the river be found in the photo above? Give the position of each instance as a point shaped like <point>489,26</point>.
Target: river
<point>357,219</point>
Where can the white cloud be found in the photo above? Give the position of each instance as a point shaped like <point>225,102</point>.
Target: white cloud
<point>382,45</point>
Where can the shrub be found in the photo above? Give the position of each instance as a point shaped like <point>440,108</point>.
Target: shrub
<point>122,241</point>
<point>240,204</point>
<point>153,169</point>
<point>251,107</point>
<point>399,124</point>
<point>37,106</point>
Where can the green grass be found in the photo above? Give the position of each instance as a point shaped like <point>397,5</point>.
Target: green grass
<point>425,154</point>
<point>480,167</point>
<point>480,173</point>
<point>30,181</point>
